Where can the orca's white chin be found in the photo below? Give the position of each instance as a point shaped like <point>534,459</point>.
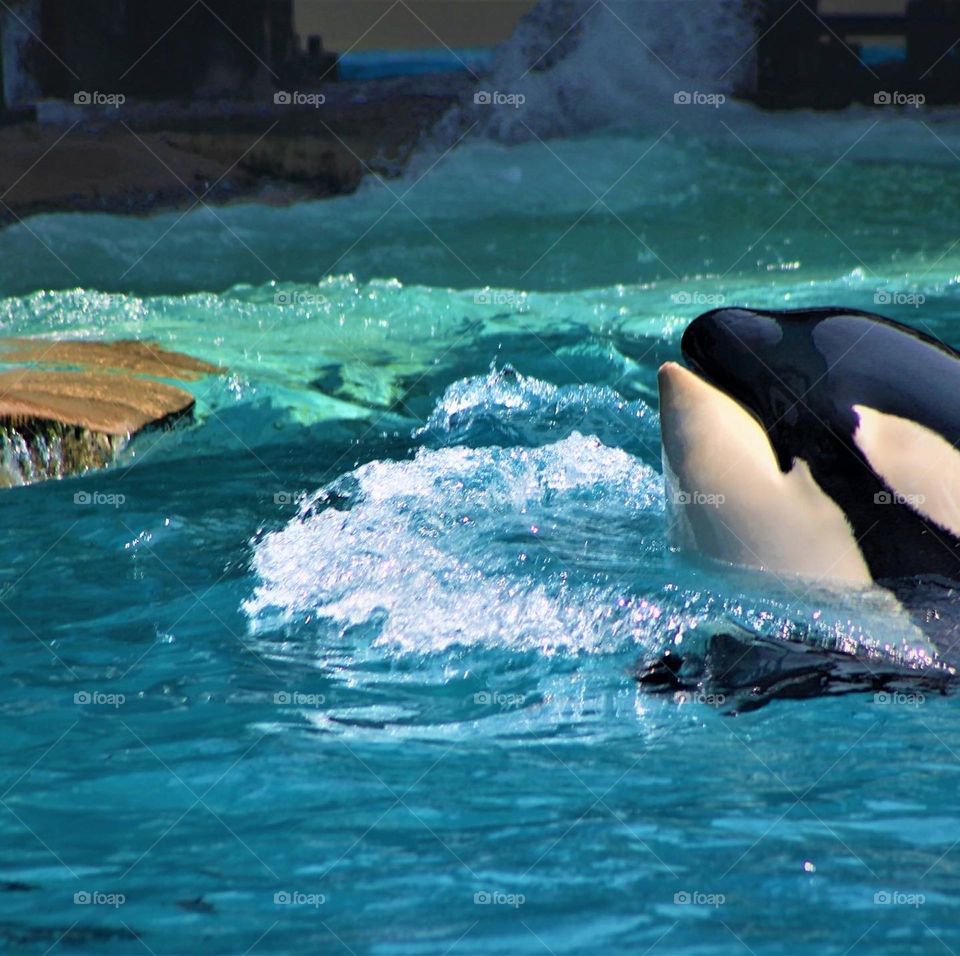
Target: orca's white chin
<point>728,498</point>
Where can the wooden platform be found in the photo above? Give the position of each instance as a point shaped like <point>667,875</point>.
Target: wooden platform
<point>67,406</point>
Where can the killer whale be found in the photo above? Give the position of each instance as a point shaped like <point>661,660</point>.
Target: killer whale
<point>814,442</point>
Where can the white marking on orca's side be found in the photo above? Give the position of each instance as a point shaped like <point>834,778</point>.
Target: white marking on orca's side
<point>920,466</point>
<point>728,497</point>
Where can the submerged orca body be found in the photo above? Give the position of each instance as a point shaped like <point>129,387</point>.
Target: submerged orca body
<point>816,444</point>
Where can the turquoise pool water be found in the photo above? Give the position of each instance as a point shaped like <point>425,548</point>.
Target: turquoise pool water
<point>346,665</point>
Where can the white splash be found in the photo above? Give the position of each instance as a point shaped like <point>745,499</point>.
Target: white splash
<point>436,549</point>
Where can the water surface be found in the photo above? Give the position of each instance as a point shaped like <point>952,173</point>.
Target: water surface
<point>347,664</point>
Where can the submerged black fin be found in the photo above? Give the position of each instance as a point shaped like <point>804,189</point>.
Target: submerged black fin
<point>742,673</point>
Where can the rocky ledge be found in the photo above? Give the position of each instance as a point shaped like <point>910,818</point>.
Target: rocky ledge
<point>142,157</point>
<point>68,406</point>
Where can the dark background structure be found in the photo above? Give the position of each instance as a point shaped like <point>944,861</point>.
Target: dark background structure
<point>153,102</point>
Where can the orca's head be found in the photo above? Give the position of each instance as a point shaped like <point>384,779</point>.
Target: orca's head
<point>767,362</point>
<point>817,442</point>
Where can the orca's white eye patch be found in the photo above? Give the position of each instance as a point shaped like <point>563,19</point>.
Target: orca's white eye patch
<point>921,468</point>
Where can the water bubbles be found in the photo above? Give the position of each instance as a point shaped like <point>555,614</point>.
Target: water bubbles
<point>506,407</point>
<point>403,553</point>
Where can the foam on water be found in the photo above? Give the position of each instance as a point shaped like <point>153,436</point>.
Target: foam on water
<point>507,408</point>
<point>451,548</point>
<point>580,65</point>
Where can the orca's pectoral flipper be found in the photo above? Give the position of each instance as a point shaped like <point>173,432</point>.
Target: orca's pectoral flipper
<point>742,673</point>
